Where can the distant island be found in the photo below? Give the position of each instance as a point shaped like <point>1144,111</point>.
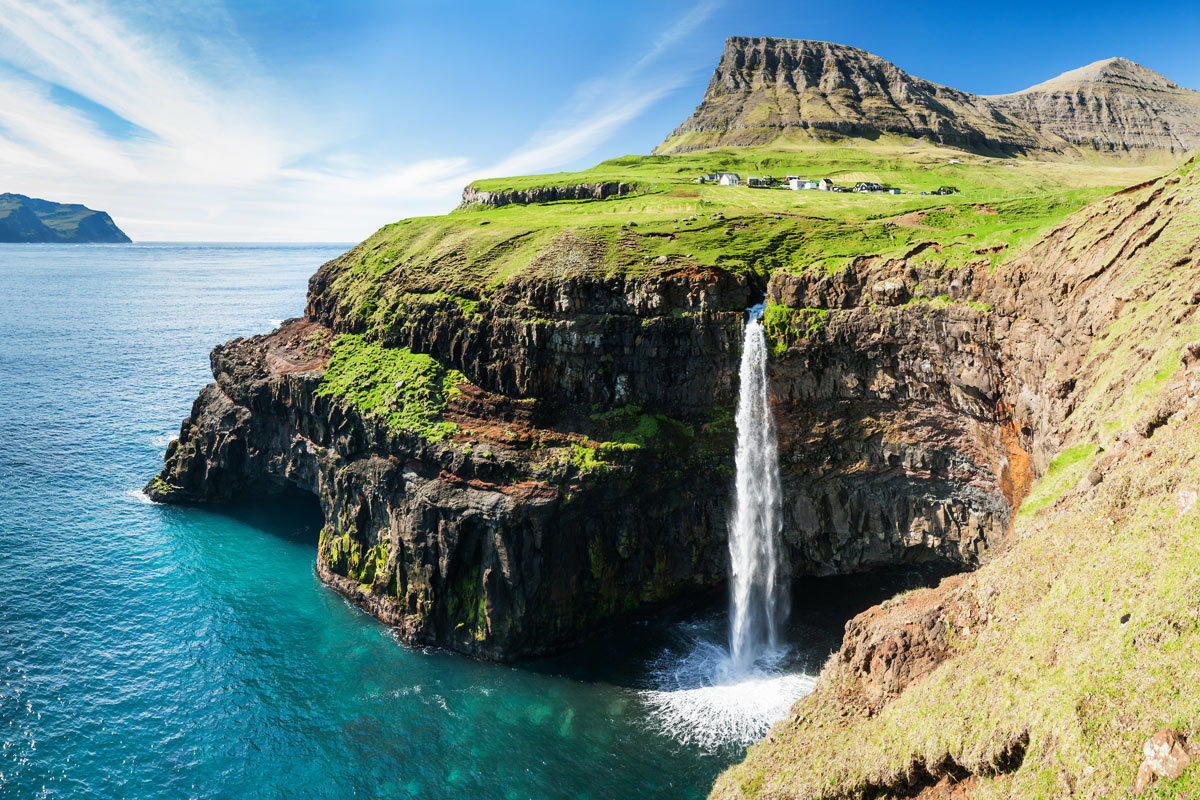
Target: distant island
<point>28,219</point>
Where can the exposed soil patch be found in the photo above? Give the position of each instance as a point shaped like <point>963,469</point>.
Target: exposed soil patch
<point>913,219</point>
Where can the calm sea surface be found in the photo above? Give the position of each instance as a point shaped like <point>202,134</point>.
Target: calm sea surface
<point>148,651</point>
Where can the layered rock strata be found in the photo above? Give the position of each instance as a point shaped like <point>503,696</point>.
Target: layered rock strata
<point>764,88</point>
<point>1114,107</point>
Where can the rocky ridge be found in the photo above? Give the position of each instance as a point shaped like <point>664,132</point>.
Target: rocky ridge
<point>1112,107</point>
<point>763,88</point>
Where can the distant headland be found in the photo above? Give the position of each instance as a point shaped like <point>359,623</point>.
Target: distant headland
<point>28,219</point>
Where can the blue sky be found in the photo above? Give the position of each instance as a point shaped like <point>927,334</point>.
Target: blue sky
<point>274,120</point>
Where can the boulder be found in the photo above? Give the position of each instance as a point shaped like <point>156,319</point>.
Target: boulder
<point>1167,756</point>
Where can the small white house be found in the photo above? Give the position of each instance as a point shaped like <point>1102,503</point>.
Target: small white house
<point>800,184</point>
<point>728,178</point>
<point>825,185</point>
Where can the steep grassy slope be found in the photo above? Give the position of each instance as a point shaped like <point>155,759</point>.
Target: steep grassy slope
<point>1042,674</point>
<point>1082,645</point>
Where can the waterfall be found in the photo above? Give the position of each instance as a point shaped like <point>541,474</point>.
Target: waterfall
<point>758,591</point>
<point>709,695</point>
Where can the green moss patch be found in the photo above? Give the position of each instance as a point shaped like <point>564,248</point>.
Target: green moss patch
<point>409,390</point>
<point>787,326</point>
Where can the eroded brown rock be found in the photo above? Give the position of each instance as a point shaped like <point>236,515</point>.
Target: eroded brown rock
<point>1167,755</point>
<point>888,647</point>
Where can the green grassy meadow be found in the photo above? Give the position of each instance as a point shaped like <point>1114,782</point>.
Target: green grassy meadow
<point>1002,204</point>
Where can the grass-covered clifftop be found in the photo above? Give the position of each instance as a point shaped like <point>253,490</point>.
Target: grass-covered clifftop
<point>1001,205</point>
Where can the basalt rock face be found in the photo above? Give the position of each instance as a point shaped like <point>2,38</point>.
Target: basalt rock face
<point>895,440</point>
<point>509,538</point>
<point>667,342</point>
<point>763,88</point>
<point>523,531</point>
<point>472,196</point>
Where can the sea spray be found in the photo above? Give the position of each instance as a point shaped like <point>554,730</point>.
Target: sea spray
<point>701,699</point>
<point>758,601</point>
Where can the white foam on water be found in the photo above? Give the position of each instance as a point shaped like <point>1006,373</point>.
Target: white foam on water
<point>140,496</point>
<point>162,440</point>
<point>703,699</point>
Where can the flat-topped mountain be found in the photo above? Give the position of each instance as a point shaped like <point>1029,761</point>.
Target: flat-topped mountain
<point>28,219</point>
<point>765,88</point>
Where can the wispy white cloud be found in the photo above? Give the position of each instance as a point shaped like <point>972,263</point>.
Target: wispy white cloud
<point>674,34</point>
<point>216,147</point>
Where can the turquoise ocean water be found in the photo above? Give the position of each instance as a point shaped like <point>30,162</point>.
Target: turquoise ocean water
<point>157,652</point>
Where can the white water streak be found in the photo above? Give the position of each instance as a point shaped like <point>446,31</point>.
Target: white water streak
<point>758,595</point>
<point>713,697</point>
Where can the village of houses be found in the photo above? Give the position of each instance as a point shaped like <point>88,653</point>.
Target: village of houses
<point>803,184</point>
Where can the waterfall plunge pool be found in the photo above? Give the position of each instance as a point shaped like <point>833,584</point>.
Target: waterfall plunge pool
<point>680,669</point>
